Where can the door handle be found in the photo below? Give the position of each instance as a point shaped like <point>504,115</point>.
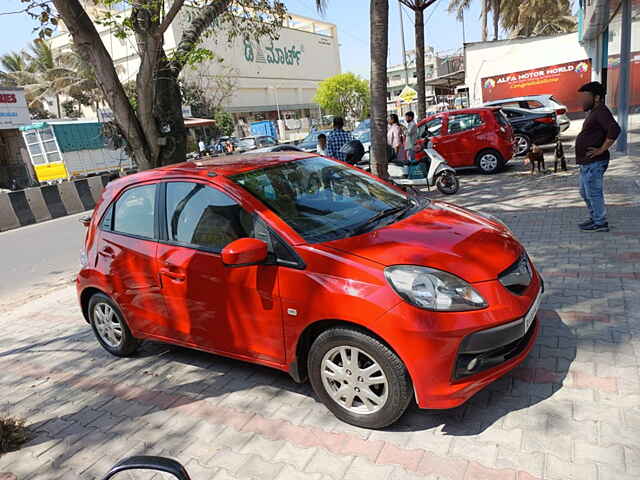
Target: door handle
<point>107,252</point>
<point>177,276</point>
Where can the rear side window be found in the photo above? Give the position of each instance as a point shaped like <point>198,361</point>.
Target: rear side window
<point>531,104</point>
<point>133,212</point>
<point>462,122</point>
<point>203,217</point>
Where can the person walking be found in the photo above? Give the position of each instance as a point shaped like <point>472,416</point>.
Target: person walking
<point>599,132</point>
<point>394,137</point>
<point>337,138</point>
<point>411,137</point>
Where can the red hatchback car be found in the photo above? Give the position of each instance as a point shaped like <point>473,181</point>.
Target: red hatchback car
<point>311,266</point>
<point>474,137</point>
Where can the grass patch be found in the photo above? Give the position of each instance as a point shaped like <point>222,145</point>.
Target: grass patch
<point>13,434</point>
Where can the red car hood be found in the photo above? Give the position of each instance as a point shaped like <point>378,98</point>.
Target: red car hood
<point>441,236</point>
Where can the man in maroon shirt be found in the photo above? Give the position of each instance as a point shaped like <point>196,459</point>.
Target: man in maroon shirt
<point>599,131</point>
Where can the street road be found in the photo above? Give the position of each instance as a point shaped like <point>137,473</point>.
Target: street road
<point>39,257</point>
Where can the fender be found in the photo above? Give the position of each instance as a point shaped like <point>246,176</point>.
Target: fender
<point>443,167</point>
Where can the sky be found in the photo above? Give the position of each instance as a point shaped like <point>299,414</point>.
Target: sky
<point>442,30</point>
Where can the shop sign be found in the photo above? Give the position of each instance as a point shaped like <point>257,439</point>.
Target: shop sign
<point>278,54</point>
<point>561,80</point>
<point>13,109</point>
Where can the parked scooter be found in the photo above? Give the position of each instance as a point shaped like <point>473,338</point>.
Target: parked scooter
<point>439,173</point>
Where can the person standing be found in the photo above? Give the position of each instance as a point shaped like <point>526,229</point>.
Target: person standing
<point>394,136</point>
<point>322,144</point>
<point>411,137</point>
<point>599,132</point>
<point>337,138</point>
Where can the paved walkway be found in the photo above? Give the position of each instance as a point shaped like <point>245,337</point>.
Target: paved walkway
<point>571,411</point>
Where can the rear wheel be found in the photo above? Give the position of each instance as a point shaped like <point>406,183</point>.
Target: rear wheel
<point>110,328</point>
<point>489,162</point>
<point>521,144</point>
<point>358,378</point>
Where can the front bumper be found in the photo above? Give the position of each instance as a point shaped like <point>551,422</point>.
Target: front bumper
<point>438,346</point>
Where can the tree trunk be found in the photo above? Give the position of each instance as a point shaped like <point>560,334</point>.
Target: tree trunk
<point>485,14</point>
<point>420,73</point>
<point>379,17</point>
<point>167,108</point>
<point>496,18</point>
<point>90,47</point>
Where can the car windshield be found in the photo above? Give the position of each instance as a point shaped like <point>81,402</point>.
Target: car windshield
<point>247,143</point>
<point>325,200</point>
<point>363,135</point>
<point>312,138</point>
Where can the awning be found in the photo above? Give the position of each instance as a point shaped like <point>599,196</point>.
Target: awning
<point>449,80</point>
<point>198,122</point>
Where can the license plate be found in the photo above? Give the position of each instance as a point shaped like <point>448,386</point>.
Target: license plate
<point>528,320</point>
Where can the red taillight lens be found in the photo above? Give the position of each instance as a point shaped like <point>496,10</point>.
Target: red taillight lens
<point>561,111</point>
<point>545,120</point>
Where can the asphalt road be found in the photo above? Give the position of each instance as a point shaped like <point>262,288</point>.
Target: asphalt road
<point>39,257</point>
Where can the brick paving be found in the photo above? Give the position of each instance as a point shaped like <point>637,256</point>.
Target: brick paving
<point>571,411</point>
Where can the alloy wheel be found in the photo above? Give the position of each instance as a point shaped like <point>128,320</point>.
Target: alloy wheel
<point>108,324</point>
<point>354,380</point>
<point>489,162</point>
<point>521,145</point>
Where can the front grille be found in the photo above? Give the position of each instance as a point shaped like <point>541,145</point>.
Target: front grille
<point>518,276</point>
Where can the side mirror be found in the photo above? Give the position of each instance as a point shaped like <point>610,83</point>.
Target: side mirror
<point>158,464</point>
<point>244,252</point>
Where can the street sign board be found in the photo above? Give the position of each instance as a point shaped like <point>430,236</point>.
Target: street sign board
<point>14,112</point>
<point>408,94</point>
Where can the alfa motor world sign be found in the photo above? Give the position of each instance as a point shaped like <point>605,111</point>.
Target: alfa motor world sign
<point>561,80</point>
<point>13,108</point>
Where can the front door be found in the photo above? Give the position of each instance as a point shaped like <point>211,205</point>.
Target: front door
<point>233,310</point>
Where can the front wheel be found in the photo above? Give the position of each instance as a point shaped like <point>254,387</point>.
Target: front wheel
<point>447,182</point>
<point>361,380</point>
<point>521,144</point>
<point>110,328</point>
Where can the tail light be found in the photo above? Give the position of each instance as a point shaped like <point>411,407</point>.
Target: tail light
<point>545,120</point>
<point>561,111</point>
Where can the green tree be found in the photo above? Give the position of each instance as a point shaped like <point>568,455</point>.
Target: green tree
<point>345,95</point>
<point>155,130</point>
<point>224,123</point>
<point>459,6</point>
<point>526,18</point>
<point>10,63</point>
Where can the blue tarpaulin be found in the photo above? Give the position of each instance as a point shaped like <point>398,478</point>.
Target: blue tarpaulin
<point>72,137</point>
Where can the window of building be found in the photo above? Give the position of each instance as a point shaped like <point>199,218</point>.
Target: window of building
<point>463,122</point>
<point>203,217</point>
<point>133,213</point>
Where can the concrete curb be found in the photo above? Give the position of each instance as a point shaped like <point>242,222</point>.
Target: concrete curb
<point>38,204</point>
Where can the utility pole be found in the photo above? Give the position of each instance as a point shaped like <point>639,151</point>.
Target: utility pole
<point>464,37</point>
<point>404,50</point>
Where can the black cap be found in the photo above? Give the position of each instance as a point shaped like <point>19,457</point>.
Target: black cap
<point>595,88</point>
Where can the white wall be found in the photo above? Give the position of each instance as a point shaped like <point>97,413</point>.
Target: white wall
<point>505,56</point>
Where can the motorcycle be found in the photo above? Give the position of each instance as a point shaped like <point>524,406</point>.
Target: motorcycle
<point>439,173</point>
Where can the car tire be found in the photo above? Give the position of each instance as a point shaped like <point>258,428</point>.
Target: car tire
<point>522,144</point>
<point>489,162</point>
<point>372,392</point>
<point>110,328</point>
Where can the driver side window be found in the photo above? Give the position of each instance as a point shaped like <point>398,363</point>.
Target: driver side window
<point>431,129</point>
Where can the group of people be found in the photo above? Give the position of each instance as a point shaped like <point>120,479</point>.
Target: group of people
<point>401,139</point>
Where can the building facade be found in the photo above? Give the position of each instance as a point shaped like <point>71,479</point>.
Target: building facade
<point>610,31</point>
<point>265,80</point>
<point>15,169</point>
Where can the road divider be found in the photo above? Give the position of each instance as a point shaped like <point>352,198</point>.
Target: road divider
<point>38,204</point>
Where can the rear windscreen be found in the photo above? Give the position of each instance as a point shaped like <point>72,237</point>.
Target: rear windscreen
<point>500,117</point>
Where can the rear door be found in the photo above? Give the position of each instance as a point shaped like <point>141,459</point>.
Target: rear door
<point>127,257</point>
<point>461,140</point>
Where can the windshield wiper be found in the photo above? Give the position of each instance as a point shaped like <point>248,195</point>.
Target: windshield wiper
<point>379,216</point>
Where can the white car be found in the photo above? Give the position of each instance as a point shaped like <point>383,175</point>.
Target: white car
<point>536,102</point>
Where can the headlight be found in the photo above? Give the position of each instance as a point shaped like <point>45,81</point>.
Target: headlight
<point>84,260</point>
<point>433,289</point>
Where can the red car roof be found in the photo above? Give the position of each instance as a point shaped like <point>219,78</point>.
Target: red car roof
<point>463,110</point>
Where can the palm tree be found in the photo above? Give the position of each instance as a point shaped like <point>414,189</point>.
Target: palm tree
<point>11,63</point>
<point>418,7</point>
<point>379,19</point>
<point>525,18</point>
<point>496,7</point>
<point>459,6</point>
